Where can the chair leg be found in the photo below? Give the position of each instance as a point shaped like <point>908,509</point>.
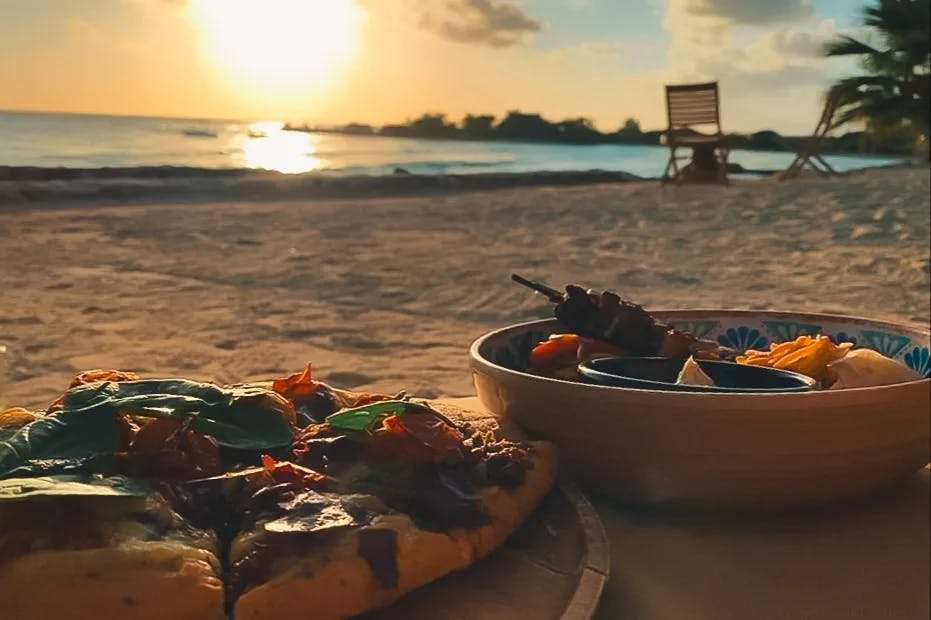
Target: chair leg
<point>794,167</point>
<point>827,166</point>
<point>813,164</point>
<point>673,166</point>
<point>723,154</point>
<point>665,179</point>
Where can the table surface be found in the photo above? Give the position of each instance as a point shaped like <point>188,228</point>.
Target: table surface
<point>869,558</point>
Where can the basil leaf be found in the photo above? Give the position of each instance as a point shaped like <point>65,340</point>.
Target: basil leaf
<point>244,418</point>
<point>94,464</point>
<point>362,418</point>
<point>68,435</point>
<point>19,489</point>
<point>6,433</point>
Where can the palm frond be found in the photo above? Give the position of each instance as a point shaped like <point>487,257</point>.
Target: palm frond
<point>894,89</point>
<point>846,46</point>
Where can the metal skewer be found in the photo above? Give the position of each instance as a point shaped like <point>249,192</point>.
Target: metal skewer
<point>550,293</point>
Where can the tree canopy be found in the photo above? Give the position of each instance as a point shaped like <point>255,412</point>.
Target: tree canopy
<point>894,92</point>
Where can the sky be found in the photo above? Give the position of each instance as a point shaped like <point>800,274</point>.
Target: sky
<point>387,61</point>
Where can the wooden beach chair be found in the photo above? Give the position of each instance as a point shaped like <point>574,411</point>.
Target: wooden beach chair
<point>809,152</point>
<point>689,106</point>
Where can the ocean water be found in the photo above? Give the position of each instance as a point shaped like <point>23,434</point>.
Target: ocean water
<point>86,141</point>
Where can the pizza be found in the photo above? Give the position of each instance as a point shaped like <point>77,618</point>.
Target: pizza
<point>76,546</point>
<point>137,499</point>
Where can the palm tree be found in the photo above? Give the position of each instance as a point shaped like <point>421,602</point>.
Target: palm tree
<point>896,91</point>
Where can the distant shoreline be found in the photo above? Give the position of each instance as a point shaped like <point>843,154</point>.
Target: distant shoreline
<point>740,142</point>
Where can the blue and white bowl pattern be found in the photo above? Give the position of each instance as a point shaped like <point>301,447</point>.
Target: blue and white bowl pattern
<point>748,330</point>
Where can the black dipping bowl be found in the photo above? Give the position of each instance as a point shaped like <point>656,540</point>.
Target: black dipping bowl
<point>659,373</point>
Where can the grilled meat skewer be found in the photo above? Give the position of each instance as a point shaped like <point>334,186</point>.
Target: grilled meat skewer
<point>607,317</point>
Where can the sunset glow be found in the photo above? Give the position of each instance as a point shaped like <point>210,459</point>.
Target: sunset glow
<point>269,147</point>
<point>283,44</point>
<point>380,62</point>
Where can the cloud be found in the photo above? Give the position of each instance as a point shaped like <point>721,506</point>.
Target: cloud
<point>752,11</point>
<point>747,55</point>
<point>767,58</point>
<point>794,42</point>
<point>482,22</point>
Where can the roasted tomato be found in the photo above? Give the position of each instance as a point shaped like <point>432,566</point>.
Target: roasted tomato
<point>416,438</point>
<point>559,350</point>
<point>168,448</point>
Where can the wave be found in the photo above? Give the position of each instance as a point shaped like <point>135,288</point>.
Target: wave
<point>30,184</point>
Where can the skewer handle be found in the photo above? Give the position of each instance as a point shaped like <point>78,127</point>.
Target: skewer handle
<point>550,293</point>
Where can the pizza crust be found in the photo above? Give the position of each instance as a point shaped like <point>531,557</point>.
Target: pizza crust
<point>133,581</point>
<point>340,583</point>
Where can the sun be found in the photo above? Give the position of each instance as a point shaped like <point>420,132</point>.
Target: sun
<point>287,44</point>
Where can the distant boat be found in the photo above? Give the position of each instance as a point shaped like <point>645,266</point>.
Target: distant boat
<point>200,133</point>
<point>257,134</point>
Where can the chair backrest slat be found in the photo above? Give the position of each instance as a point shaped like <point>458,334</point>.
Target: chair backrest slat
<point>693,104</point>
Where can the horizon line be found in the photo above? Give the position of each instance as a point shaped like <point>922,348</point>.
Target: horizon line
<point>333,126</point>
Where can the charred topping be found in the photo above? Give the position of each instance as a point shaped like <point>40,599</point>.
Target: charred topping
<point>446,498</point>
<point>379,548</point>
<point>169,449</point>
<point>318,406</point>
<point>417,463</point>
<point>286,523</point>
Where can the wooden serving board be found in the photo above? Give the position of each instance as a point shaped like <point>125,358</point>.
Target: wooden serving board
<point>554,567</point>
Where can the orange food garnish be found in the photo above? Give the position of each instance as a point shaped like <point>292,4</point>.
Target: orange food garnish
<point>559,348</point>
<point>16,417</point>
<point>809,355</point>
<point>416,438</point>
<point>298,387</point>
<point>92,376</point>
<point>290,473</point>
<point>567,349</point>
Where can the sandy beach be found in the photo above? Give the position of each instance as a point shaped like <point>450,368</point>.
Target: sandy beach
<point>386,293</point>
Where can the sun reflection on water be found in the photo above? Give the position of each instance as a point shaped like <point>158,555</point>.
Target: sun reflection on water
<point>268,147</point>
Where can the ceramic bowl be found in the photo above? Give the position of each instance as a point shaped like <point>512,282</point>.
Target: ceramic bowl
<point>661,373</point>
<point>722,449</point>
